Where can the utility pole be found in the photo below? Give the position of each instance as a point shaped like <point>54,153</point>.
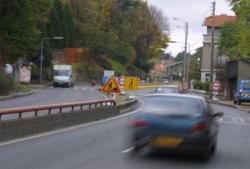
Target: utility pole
<point>185,54</point>
<point>212,54</point>
<point>41,62</point>
<point>185,76</point>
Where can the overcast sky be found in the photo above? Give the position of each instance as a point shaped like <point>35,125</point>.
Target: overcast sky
<point>193,12</point>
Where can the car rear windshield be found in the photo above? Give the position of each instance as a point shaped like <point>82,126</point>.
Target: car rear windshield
<point>246,85</point>
<point>172,105</point>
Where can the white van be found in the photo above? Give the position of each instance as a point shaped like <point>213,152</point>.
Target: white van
<point>63,76</point>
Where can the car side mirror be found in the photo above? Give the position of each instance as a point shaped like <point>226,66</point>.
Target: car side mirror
<point>218,114</point>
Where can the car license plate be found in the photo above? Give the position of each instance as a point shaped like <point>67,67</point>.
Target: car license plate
<point>167,141</point>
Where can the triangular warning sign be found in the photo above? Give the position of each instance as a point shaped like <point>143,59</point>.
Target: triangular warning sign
<point>111,86</point>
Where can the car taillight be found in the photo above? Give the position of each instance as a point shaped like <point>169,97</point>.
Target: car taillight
<point>199,127</point>
<point>139,123</point>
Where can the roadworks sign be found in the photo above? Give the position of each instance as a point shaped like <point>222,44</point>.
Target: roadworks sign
<point>111,86</point>
<point>131,83</point>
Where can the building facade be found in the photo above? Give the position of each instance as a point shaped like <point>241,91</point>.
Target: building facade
<point>219,61</point>
<point>175,71</point>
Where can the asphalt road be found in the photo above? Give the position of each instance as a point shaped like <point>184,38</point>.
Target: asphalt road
<point>53,95</point>
<point>104,146</point>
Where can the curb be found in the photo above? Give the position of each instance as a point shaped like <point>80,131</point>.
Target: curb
<point>22,94</point>
<point>17,95</point>
<point>229,105</point>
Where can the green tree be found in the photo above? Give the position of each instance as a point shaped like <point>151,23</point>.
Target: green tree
<point>179,57</point>
<point>195,65</point>
<point>229,41</point>
<point>61,23</point>
<point>239,32</point>
<point>19,33</point>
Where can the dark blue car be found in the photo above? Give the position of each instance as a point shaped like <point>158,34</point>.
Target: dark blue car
<point>175,122</point>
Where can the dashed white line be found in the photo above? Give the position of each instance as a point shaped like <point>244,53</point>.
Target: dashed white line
<point>128,150</point>
<point>239,120</point>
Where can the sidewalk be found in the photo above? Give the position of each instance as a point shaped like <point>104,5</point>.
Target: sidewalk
<point>243,107</point>
<point>34,88</point>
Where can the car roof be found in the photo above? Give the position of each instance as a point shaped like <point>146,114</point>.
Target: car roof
<point>177,95</point>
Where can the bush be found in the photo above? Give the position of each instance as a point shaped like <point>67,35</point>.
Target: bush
<point>18,87</point>
<point>7,84</point>
<point>48,74</point>
<point>200,85</point>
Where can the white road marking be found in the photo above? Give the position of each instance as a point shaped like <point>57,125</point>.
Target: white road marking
<point>234,120</point>
<point>65,129</point>
<point>128,150</point>
<point>84,88</point>
<point>219,119</point>
<point>238,119</point>
<point>236,123</point>
<point>102,95</point>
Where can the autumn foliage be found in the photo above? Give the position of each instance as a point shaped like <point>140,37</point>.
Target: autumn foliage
<point>75,55</point>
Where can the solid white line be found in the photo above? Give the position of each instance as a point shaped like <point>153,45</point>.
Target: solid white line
<point>64,130</point>
<point>236,123</point>
<point>128,150</point>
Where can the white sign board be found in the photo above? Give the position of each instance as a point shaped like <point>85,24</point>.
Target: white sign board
<point>109,73</point>
<point>8,69</point>
<point>25,74</point>
<point>121,81</point>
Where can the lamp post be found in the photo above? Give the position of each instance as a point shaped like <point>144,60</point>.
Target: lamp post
<point>42,57</point>
<point>185,69</point>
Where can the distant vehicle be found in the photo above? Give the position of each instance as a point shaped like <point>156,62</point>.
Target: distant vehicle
<point>93,82</point>
<point>167,89</point>
<point>175,123</point>
<point>164,81</point>
<point>63,76</point>
<point>242,93</point>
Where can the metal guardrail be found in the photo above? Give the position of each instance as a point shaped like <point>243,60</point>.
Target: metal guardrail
<point>60,107</point>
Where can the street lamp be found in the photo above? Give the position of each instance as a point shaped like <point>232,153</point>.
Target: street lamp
<point>185,71</point>
<point>41,55</point>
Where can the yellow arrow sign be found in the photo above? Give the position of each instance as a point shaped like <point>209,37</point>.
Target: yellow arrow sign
<point>111,86</point>
<point>131,83</point>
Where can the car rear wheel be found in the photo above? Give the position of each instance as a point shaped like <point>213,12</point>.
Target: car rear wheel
<point>208,152</point>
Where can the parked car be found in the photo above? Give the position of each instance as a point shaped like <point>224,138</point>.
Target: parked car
<point>164,81</point>
<point>167,89</point>
<point>93,82</point>
<point>242,93</point>
<point>175,122</point>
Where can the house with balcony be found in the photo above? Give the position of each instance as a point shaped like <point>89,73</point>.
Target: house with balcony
<point>175,70</point>
<point>219,61</point>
